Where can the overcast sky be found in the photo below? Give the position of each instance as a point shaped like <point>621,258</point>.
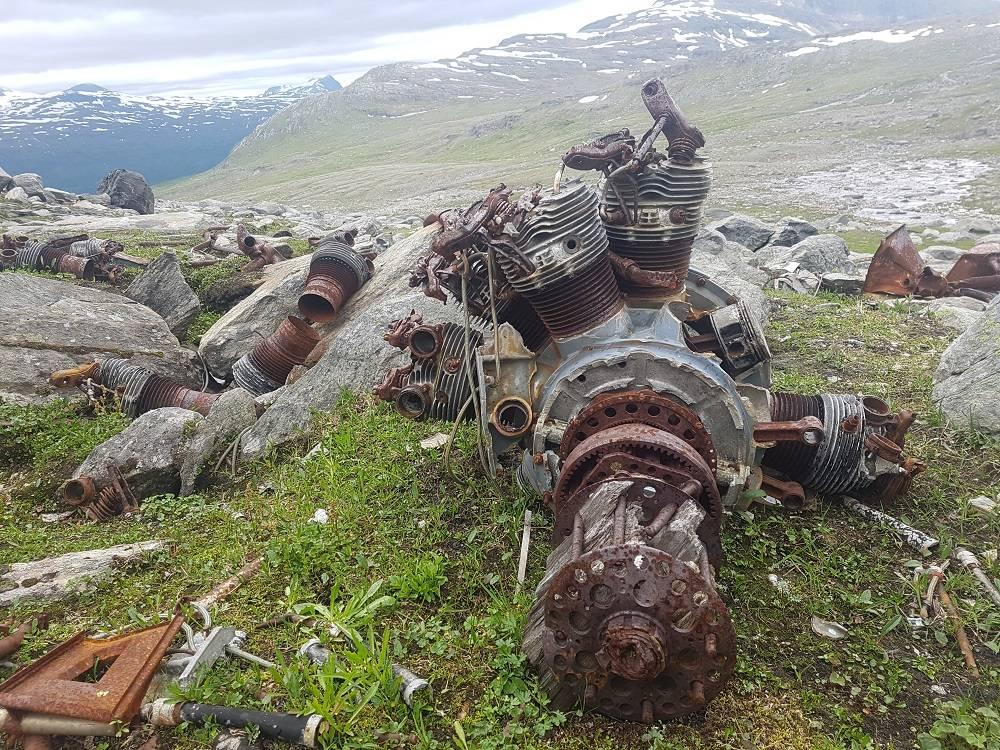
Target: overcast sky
<point>208,47</point>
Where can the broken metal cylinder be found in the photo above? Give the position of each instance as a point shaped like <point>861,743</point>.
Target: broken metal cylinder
<point>337,271</point>
<point>82,268</point>
<point>265,368</point>
<point>861,445</point>
<point>141,390</point>
<point>573,287</point>
<point>8,257</point>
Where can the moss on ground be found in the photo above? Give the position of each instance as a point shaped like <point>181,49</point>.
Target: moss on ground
<point>442,546</point>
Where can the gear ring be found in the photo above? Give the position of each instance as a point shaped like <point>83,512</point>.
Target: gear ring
<point>639,407</point>
<point>635,610</point>
<point>640,442</point>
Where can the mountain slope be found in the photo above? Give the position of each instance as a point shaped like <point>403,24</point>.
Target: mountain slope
<point>811,92</point>
<point>74,137</point>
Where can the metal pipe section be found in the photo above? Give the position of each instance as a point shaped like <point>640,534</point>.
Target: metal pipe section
<point>266,367</point>
<point>337,271</point>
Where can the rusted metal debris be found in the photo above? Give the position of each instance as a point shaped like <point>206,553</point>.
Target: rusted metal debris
<point>101,680</point>
<point>640,393</point>
<point>78,255</point>
<point>266,367</point>
<point>135,390</point>
<point>336,272</point>
<point>260,252</point>
<point>437,385</point>
<point>898,269</point>
<point>114,498</point>
<point>12,639</point>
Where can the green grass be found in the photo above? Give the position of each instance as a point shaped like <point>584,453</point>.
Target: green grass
<point>418,565</point>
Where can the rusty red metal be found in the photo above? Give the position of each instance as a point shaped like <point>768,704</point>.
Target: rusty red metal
<point>287,347</point>
<point>334,277</point>
<point>82,268</point>
<point>57,685</point>
<point>982,260</point>
<point>13,639</point>
<point>639,407</point>
<point>789,494</point>
<point>668,648</point>
<point>807,430</point>
<point>393,383</point>
<point>896,266</point>
<point>160,392</point>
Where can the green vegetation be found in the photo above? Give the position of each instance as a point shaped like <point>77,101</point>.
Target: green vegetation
<point>416,565</point>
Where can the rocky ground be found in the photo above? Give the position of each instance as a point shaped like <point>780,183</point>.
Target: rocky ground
<point>325,487</point>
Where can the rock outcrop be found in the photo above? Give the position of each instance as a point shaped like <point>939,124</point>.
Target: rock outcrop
<point>161,287</point>
<point>792,231</point>
<point>819,254</point>
<point>967,381</point>
<point>747,231</point>
<point>149,452</point>
<point>57,577</point>
<point>48,325</point>
<point>128,189</point>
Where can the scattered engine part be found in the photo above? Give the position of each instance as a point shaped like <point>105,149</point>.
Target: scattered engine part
<point>8,258</point>
<point>12,639</point>
<point>261,253</point>
<point>266,367</point>
<point>643,414</point>
<point>297,730</point>
<point>898,269</point>
<point>114,499</point>
<point>438,384</point>
<point>336,272</point>
<point>137,389</point>
<point>121,667</point>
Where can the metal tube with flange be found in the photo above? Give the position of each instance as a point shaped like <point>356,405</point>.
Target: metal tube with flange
<point>337,271</point>
<point>266,367</point>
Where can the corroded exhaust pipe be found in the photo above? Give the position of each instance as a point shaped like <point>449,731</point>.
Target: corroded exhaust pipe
<point>266,367</point>
<point>336,273</point>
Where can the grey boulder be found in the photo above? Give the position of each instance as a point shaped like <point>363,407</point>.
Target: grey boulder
<point>956,313</point>
<point>234,412</point>
<point>256,317</point>
<point>128,189</point>
<point>354,355</point>
<point>161,287</point>
<point>6,181</point>
<point>819,254</point>
<point>16,194</point>
<point>744,230</point>
<point>149,452</point>
<point>967,381</point>
<point>791,231</point>
<point>48,325</point>
<point>57,577</point>
<point>30,183</point>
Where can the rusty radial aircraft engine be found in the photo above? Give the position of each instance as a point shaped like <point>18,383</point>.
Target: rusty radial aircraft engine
<point>638,391</point>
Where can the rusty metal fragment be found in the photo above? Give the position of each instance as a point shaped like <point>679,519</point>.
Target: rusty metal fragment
<point>114,498</point>
<point>100,680</point>
<point>12,639</point>
<point>136,390</point>
<point>266,367</point>
<point>896,266</point>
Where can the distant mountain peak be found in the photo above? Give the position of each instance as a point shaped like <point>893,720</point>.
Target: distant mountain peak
<point>323,85</point>
<point>86,88</point>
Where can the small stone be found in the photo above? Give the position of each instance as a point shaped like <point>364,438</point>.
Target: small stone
<point>434,441</point>
<point>983,504</point>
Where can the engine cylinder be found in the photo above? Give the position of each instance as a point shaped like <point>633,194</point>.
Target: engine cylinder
<point>573,287</point>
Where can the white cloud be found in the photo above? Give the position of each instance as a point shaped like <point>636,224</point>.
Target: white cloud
<point>236,63</point>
